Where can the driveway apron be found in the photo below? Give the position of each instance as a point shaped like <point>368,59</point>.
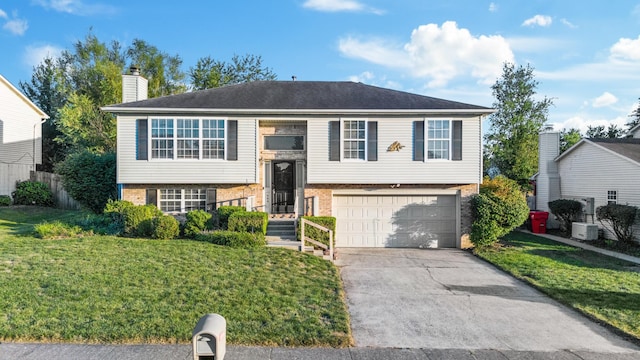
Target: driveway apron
<point>449,299</point>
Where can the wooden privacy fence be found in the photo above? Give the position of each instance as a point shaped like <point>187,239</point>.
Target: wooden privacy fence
<point>61,198</point>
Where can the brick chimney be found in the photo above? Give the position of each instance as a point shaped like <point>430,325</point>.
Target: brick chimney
<point>134,86</point>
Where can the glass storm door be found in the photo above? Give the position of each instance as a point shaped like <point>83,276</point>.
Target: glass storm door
<point>283,187</point>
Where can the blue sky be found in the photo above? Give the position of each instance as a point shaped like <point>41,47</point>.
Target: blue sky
<point>586,54</point>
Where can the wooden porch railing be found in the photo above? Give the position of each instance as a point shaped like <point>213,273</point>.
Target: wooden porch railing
<point>304,239</point>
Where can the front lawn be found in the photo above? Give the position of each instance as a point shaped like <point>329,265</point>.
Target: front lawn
<point>602,287</point>
<point>121,290</point>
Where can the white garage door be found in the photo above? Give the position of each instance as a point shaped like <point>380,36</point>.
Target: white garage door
<point>395,221</point>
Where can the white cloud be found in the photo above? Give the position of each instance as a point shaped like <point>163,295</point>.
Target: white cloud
<point>3,14</point>
<point>339,6</point>
<point>76,7</point>
<point>568,24</point>
<point>493,7</point>
<point>606,99</point>
<point>16,26</point>
<point>439,54</point>
<point>583,122</point>
<point>539,20</point>
<point>626,49</point>
<point>34,55</point>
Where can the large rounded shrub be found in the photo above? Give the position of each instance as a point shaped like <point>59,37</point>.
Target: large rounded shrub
<point>32,193</point>
<point>165,227</point>
<point>499,208</point>
<point>138,220</point>
<point>197,221</point>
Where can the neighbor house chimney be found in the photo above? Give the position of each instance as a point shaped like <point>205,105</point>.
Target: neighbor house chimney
<point>134,86</point>
<point>548,179</point>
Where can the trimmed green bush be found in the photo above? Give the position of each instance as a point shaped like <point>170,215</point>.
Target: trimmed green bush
<point>197,221</point>
<point>32,193</point>
<point>223,213</point>
<point>309,231</point>
<point>499,208</point>
<point>233,239</point>
<point>89,178</point>
<point>254,221</point>
<point>5,200</point>
<point>57,230</point>
<point>115,212</point>
<point>138,220</point>
<point>619,219</point>
<point>165,227</point>
<point>566,211</point>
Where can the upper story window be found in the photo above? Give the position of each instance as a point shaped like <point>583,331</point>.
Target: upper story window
<point>438,139</point>
<point>612,197</point>
<point>354,139</point>
<point>187,138</point>
<point>162,138</point>
<point>213,139</point>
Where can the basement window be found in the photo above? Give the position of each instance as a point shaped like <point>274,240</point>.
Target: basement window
<point>612,197</point>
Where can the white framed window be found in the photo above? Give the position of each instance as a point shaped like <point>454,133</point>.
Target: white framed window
<point>213,138</point>
<point>438,135</point>
<point>170,200</point>
<point>612,197</point>
<point>162,139</point>
<point>182,200</point>
<point>188,137</point>
<point>354,139</point>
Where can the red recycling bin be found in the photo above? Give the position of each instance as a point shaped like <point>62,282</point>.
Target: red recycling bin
<point>538,221</point>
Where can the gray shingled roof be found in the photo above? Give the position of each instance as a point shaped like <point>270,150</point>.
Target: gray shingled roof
<point>299,95</point>
<point>627,147</point>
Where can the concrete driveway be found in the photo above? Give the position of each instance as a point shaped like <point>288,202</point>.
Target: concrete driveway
<point>448,299</point>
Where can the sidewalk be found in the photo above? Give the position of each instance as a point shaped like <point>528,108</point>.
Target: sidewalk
<point>586,246</point>
<point>16,351</point>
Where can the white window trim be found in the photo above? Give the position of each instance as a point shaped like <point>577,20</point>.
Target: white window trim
<point>183,199</point>
<point>366,138</point>
<point>426,139</point>
<point>175,138</point>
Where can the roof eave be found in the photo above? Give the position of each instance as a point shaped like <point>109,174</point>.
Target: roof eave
<point>138,110</point>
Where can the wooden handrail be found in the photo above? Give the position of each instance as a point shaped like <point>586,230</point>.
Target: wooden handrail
<point>303,238</point>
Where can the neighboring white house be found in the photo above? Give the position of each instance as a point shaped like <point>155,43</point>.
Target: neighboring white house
<point>396,169</point>
<point>20,136</point>
<point>594,171</point>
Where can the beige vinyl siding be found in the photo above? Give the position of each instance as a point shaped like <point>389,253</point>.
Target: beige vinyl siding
<point>393,167</point>
<point>589,171</point>
<point>186,171</point>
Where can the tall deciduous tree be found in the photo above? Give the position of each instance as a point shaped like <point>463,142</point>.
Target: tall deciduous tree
<point>160,69</point>
<point>211,73</point>
<point>568,138</point>
<point>512,140</point>
<point>48,89</point>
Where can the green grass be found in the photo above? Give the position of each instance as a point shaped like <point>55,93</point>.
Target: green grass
<point>121,290</point>
<point>602,287</point>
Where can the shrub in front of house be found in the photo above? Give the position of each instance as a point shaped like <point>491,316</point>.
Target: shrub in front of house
<point>223,213</point>
<point>312,232</point>
<point>618,219</point>
<point>566,211</point>
<point>233,239</point>
<point>197,221</point>
<point>499,208</point>
<point>243,221</point>
<point>114,212</point>
<point>32,193</point>
<point>138,220</point>
<point>165,227</point>
<point>5,200</point>
<point>57,230</point>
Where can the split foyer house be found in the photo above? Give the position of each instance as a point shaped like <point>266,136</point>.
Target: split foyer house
<point>20,136</point>
<point>396,169</point>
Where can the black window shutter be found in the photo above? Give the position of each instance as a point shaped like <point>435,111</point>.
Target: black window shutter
<point>372,141</point>
<point>456,139</point>
<point>152,197</point>
<point>232,140</point>
<point>142,145</point>
<point>334,140</point>
<point>211,199</point>
<point>418,141</point>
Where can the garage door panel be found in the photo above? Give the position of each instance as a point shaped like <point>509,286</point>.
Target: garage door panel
<point>395,221</point>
